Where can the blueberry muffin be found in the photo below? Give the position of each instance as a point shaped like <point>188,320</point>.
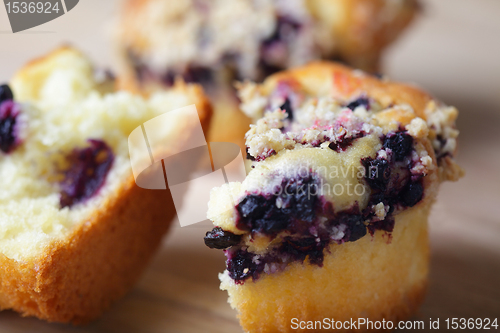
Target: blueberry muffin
<point>76,231</point>
<point>216,42</point>
<point>331,221</point>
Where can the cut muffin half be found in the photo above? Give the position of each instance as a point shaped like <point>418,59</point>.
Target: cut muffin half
<point>75,229</point>
<point>331,222</point>
<point>216,42</point>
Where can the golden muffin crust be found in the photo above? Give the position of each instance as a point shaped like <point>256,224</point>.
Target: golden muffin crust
<point>369,278</point>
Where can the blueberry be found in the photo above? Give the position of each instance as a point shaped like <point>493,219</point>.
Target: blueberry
<point>273,222</point>
<point>399,143</point>
<point>287,107</point>
<point>220,239</point>
<point>302,248</point>
<point>377,173</point>
<point>302,244</point>
<point>299,199</point>
<point>361,101</point>
<point>87,173</point>
<point>253,207</point>
<point>412,194</point>
<point>284,32</point>
<point>285,28</point>
<point>353,219</point>
<point>298,202</point>
<point>241,266</point>
<point>356,231</point>
<point>356,227</point>
<point>198,74</point>
<point>343,143</point>
<point>9,111</point>
<point>260,214</point>
<point>5,93</point>
<point>168,78</point>
<point>249,157</point>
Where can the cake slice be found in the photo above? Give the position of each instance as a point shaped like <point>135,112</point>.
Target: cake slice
<point>75,229</point>
<point>331,221</point>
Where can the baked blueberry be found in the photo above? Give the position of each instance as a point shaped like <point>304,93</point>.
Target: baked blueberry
<point>87,173</point>
<point>241,266</point>
<point>198,74</point>
<point>297,200</point>
<point>274,50</point>
<point>400,143</point>
<point>343,142</point>
<point>361,101</point>
<point>377,172</point>
<point>287,107</point>
<point>9,112</point>
<point>260,214</point>
<point>220,239</point>
<point>412,193</point>
<point>5,93</point>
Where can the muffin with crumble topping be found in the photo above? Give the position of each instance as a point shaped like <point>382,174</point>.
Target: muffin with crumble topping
<point>331,221</point>
<point>216,42</point>
<point>75,230</point>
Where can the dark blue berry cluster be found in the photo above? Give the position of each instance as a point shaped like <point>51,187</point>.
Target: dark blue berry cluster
<point>9,112</point>
<point>89,167</point>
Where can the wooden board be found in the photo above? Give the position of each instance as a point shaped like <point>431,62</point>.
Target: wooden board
<point>454,52</point>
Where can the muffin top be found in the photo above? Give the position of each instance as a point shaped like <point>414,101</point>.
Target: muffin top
<point>336,147</point>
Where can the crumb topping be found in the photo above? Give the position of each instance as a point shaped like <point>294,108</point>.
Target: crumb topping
<point>325,170</point>
<point>214,35</point>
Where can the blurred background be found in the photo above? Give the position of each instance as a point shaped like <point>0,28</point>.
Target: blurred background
<point>452,50</point>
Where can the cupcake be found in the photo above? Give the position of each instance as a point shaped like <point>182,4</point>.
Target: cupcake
<point>331,221</point>
<point>76,231</point>
<point>216,42</point>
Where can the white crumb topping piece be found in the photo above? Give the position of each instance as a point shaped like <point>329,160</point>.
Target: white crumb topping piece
<point>265,137</point>
<point>441,120</point>
<point>221,206</point>
<point>338,232</point>
<point>427,162</point>
<point>253,102</point>
<point>380,210</point>
<point>418,128</point>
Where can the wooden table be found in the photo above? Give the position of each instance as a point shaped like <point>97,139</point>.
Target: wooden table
<point>453,51</point>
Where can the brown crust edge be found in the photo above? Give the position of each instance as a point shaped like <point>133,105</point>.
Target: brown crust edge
<point>76,279</point>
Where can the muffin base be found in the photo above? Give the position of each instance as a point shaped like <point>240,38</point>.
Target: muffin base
<point>377,278</point>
